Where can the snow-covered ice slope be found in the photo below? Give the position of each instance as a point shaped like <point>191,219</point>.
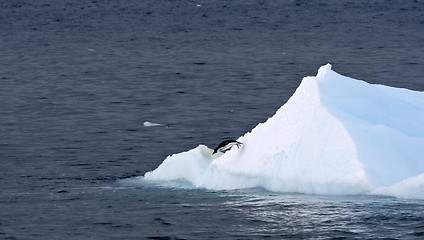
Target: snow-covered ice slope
<point>335,135</point>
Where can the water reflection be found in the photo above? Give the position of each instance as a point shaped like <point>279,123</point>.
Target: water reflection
<point>310,216</point>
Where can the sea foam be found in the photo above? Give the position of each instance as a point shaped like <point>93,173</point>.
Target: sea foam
<point>335,135</point>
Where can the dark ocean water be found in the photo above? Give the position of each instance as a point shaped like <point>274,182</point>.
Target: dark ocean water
<point>79,79</point>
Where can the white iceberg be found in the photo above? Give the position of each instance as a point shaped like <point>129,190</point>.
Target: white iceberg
<point>335,135</point>
<point>150,124</point>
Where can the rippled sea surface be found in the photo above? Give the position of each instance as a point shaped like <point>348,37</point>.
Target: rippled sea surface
<point>79,79</point>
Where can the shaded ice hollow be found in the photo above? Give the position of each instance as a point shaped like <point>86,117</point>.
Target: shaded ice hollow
<point>335,135</point>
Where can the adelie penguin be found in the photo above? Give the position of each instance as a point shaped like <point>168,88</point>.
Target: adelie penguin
<point>226,145</point>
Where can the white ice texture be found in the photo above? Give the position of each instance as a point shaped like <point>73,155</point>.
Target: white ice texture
<point>335,135</point>
<point>150,124</point>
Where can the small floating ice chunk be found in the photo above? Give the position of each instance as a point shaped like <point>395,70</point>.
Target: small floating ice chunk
<point>150,124</point>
